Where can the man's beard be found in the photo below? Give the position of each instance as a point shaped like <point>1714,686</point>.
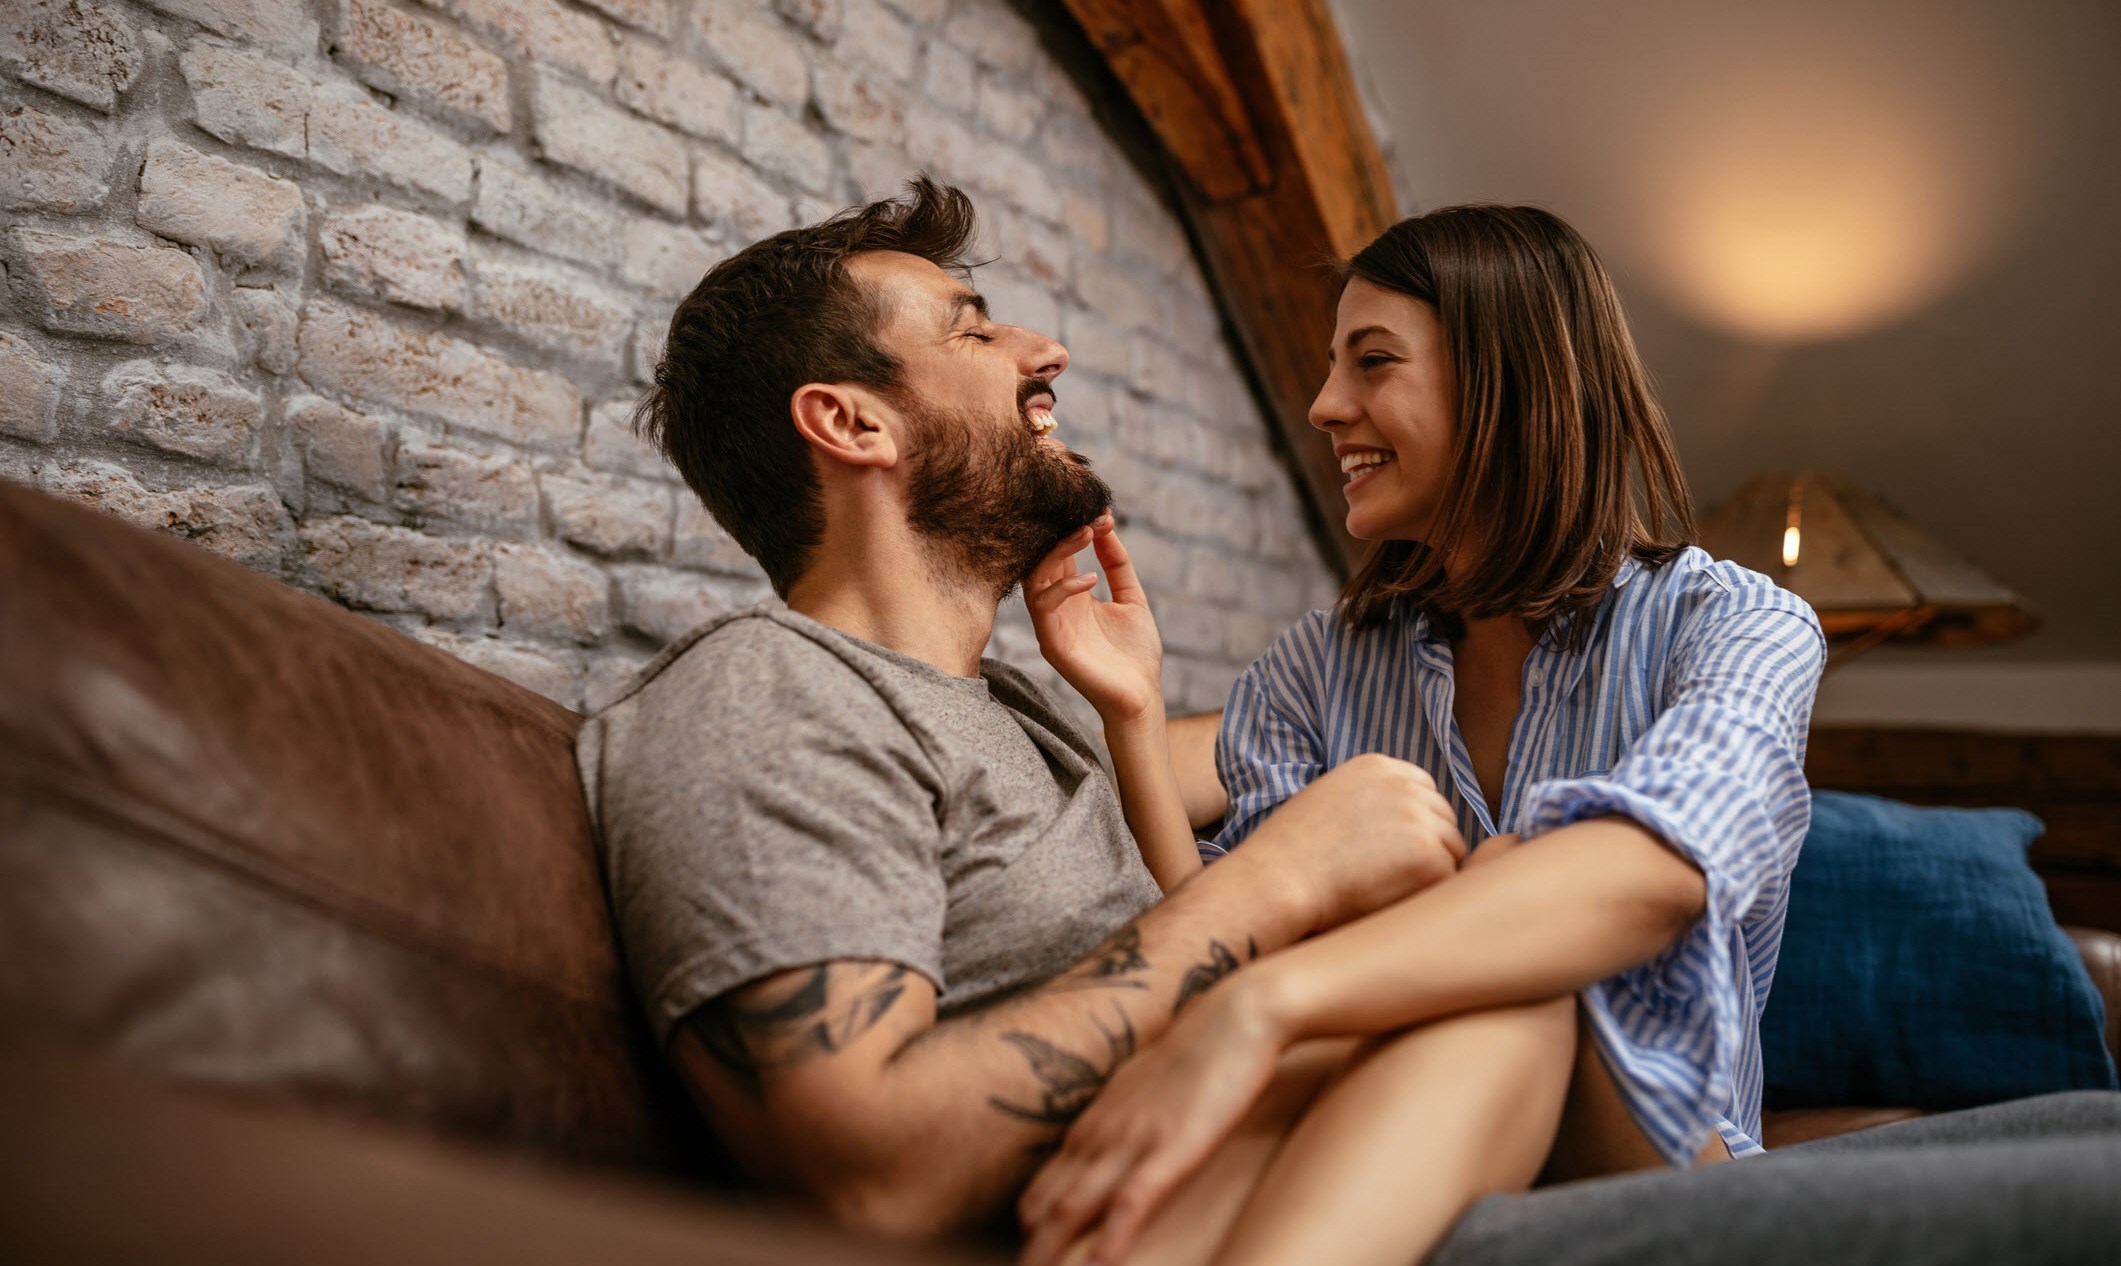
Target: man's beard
<point>990,499</point>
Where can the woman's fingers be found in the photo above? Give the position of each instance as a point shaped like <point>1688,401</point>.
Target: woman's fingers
<point>1059,561</point>
<point>1119,569</point>
<point>1075,1194</point>
<point>1047,599</point>
<point>1128,1211</point>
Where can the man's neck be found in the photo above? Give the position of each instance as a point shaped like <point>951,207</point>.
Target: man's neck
<point>896,598</point>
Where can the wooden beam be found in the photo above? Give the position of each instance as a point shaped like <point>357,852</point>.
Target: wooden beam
<point>1267,233</point>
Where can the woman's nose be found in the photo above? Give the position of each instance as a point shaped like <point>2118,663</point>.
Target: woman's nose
<point>1330,408</point>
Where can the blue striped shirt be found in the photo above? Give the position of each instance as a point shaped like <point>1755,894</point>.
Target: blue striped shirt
<point>1687,712</point>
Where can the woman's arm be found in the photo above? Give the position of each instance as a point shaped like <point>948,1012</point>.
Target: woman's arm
<point>1110,651</point>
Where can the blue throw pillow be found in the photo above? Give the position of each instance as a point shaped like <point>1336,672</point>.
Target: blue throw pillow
<point>1922,968</point>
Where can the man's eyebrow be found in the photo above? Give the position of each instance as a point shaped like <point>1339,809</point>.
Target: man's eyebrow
<point>967,299</point>
<point>1356,336</point>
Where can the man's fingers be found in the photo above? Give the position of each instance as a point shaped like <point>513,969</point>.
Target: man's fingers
<point>1045,600</point>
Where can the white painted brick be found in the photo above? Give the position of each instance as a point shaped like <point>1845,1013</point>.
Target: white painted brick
<point>1190,627</point>
<point>783,146</point>
<point>538,671</point>
<point>436,484</point>
<point>1005,111</point>
<point>246,100</point>
<point>549,593</point>
<point>821,18</point>
<point>662,605</point>
<point>618,518</point>
<point>543,33</point>
<point>367,360</point>
<point>183,409</point>
<point>1158,560</point>
<point>1119,297</point>
<point>350,131</point>
<point>247,523</point>
<point>1077,150</point>
<point>647,349</point>
<point>76,48</point>
<point>944,147</point>
<point>879,171</point>
<point>993,33</point>
<point>529,210</point>
<point>1095,345</point>
<point>239,211</point>
<point>1084,216</point>
<point>610,444</point>
<point>551,310</point>
<point>92,285</point>
<point>861,104</point>
<point>269,325</point>
<point>951,79</point>
<point>920,10</point>
<point>281,25</point>
<point>340,448</point>
<point>671,90</point>
<point>667,260</point>
<point>51,164</point>
<point>384,253</point>
<point>648,15</point>
<point>879,37</point>
<point>377,568</point>
<point>577,130</point>
<point>29,390</point>
<point>758,51</point>
<point>416,57</point>
<point>1031,246</point>
<point>728,193</point>
<point>701,542</point>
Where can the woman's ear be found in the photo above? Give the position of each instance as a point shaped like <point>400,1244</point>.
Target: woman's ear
<point>846,424</point>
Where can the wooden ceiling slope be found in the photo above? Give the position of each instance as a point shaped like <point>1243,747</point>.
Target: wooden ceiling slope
<point>1254,104</point>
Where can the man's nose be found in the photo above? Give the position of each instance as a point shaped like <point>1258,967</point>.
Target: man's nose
<point>1042,357</point>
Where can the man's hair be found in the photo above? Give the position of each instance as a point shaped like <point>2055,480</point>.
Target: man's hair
<point>1562,465</point>
<point>780,313</point>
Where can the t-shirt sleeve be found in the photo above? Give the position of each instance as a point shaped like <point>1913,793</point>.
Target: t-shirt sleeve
<point>1719,777</point>
<point>762,807</point>
<point>1270,744</point>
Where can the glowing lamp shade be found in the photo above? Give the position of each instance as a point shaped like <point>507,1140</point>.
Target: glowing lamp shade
<point>1870,574</point>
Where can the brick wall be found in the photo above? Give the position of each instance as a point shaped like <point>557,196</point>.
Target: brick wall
<point>361,292</point>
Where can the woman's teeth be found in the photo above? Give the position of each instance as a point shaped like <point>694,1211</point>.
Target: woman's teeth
<point>1356,463</point>
<point>1042,422</point>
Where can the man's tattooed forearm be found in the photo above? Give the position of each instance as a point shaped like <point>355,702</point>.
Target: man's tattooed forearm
<point>1067,1081</point>
<point>825,1011</point>
<point>1201,977</point>
<point>1112,965</point>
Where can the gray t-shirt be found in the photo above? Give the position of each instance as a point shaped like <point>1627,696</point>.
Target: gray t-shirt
<point>773,793</point>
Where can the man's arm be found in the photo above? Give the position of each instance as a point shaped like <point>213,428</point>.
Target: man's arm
<point>837,1081</point>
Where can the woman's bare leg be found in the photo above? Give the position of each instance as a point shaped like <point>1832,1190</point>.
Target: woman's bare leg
<point>1427,1123</point>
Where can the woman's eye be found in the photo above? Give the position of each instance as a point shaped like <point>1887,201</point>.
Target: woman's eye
<point>1373,360</point>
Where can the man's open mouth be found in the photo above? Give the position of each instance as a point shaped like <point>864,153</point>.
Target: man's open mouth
<point>1040,417</point>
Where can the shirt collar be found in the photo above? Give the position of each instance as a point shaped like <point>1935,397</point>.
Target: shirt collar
<point>1629,565</point>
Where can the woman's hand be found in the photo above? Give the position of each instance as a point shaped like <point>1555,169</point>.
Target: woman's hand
<point>1109,651</point>
<point>1160,1116</point>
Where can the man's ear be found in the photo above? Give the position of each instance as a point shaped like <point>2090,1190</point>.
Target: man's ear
<point>846,424</point>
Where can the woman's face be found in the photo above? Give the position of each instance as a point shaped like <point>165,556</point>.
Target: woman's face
<point>1390,404</point>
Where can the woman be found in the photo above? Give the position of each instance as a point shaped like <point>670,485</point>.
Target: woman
<point>1533,628</point>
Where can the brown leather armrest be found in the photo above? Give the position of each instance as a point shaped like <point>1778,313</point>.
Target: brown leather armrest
<point>2102,958</point>
<point>97,1166</point>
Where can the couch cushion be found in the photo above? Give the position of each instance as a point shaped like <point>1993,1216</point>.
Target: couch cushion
<point>1920,967</point>
<point>250,839</point>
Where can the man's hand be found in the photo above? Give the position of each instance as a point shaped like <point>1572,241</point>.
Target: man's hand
<point>1362,836</point>
<point>1109,651</point>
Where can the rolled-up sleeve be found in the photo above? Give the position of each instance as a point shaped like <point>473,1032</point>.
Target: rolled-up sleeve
<point>1719,777</point>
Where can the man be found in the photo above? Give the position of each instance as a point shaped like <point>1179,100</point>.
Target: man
<point>876,894</point>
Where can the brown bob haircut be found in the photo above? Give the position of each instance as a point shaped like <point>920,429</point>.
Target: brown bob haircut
<point>1562,465</point>
<point>780,313</point>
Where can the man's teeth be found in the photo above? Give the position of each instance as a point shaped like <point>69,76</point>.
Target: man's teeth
<point>1041,420</point>
<point>1356,463</point>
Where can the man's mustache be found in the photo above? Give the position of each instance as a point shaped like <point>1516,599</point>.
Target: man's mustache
<point>1030,387</point>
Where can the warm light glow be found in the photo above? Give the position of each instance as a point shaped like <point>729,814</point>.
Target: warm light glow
<point>1793,523</point>
<point>1789,547</point>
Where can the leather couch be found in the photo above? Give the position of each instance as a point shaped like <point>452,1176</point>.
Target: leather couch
<point>254,845</point>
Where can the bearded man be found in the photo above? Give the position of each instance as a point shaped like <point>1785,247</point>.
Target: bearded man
<point>877,894</point>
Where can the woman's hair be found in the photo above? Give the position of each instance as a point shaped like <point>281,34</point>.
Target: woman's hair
<point>1562,464</point>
